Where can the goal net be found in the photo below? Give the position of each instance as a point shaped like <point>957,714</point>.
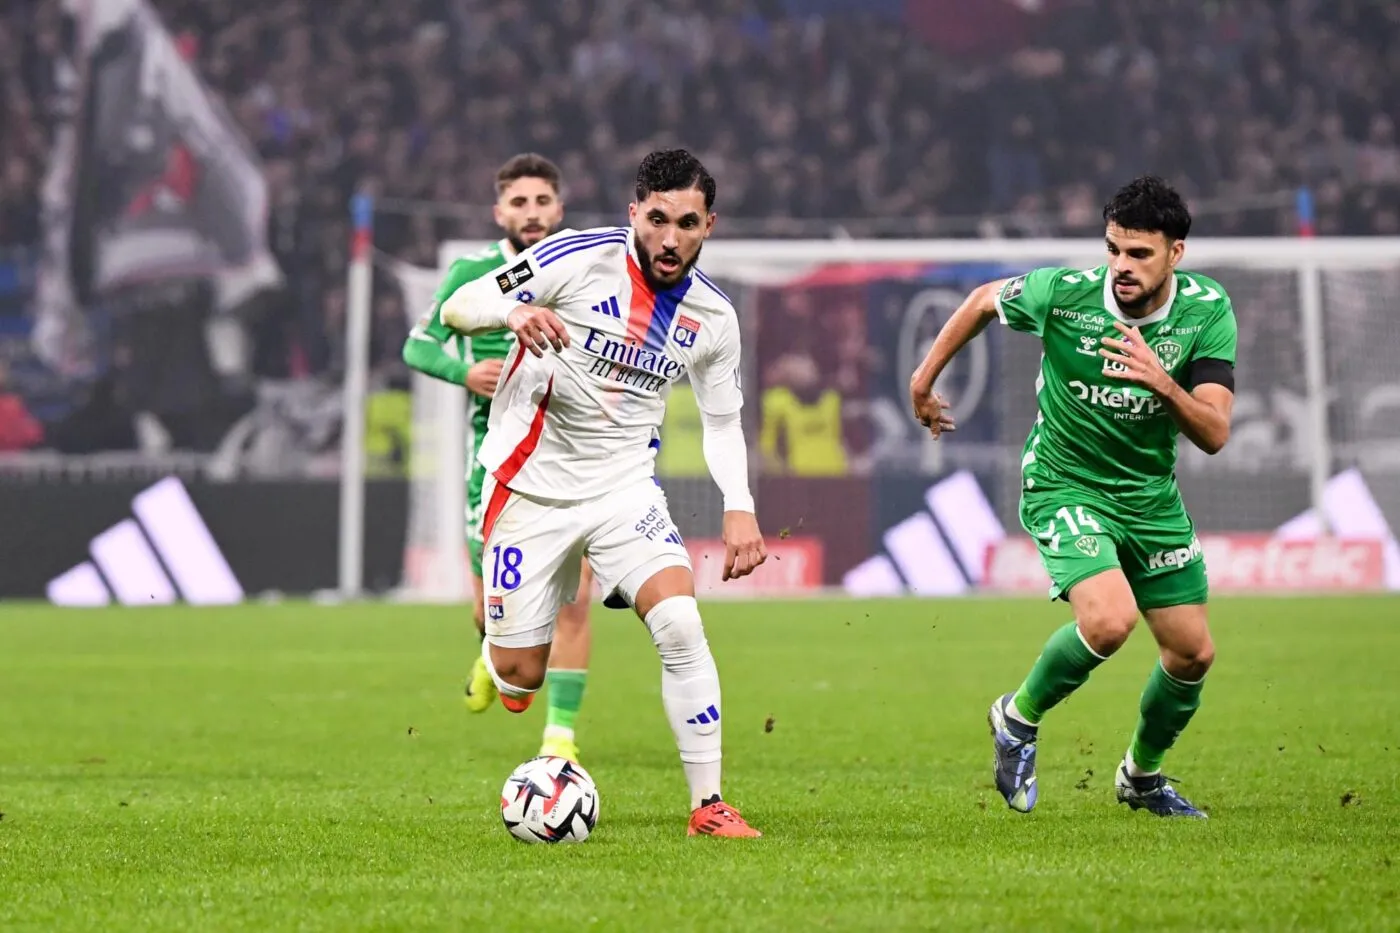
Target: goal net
<point>855,497</point>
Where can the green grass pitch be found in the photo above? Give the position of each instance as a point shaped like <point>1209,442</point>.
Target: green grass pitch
<point>298,767</point>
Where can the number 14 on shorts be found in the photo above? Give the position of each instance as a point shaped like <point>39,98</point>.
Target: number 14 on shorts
<point>1073,524</point>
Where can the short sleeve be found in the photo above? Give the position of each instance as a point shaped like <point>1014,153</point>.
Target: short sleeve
<point>1219,337</point>
<point>1024,302</point>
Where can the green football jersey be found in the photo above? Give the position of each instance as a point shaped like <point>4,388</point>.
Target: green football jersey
<point>438,350</point>
<point>1092,429</point>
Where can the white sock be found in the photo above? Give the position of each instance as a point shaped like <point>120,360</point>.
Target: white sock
<point>689,691</point>
<point>558,732</point>
<point>1132,768</point>
<point>510,690</point>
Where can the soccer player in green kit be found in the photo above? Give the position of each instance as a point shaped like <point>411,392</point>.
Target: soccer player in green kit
<point>528,208</point>
<point>1135,352</point>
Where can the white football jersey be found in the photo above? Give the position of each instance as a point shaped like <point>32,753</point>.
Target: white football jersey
<point>580,423</point>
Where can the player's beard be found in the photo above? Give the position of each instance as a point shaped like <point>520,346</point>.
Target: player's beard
<point>516,237</point>
<point>649,273</point>
<point>1143,301</point>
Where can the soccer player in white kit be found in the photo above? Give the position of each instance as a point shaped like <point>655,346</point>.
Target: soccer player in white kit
<point>606,321</point>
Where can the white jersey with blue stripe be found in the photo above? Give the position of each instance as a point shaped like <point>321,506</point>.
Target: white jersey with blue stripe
<point>580,423</point>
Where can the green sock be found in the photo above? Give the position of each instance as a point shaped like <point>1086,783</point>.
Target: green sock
<point>1167,706</point>
<point>565,697</point>
<point>1064,664</point>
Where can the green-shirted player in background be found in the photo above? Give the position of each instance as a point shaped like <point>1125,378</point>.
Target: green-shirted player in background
<point>528,208</point>
<point>1135,353</point>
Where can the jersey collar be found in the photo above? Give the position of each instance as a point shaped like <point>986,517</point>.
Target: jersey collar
<point>1110,304</point>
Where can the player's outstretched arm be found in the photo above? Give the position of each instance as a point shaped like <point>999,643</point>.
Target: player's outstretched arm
<point>473,309</point>
<point>476,307</point>
<point>971,318</point>
<point>518,296</point>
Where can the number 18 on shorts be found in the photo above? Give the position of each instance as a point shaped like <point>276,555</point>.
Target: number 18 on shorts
<point>534,548</point>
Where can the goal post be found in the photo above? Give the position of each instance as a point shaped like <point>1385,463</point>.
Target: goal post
<point>358,310</point>
<point>1318,397</point>
<point>435,561</point>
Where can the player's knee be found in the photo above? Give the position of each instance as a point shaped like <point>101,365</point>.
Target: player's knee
<point>1189,663</point>
<point>677,631</point>
<point>1107,625</point>
<point>1106,610</point>
<point>521,668</point>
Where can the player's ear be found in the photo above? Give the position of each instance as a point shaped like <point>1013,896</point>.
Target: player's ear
<point>710,223</point>
<point>632,211</point>
<point>497,215</point>
<point>1177,249</point>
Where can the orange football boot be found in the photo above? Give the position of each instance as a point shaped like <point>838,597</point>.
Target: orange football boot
<point>720,819</point>
<point>517,704</point>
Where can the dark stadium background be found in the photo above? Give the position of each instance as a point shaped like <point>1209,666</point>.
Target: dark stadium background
<point>862,119</point>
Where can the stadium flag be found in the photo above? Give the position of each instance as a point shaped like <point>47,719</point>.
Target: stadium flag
<point>150,178</point>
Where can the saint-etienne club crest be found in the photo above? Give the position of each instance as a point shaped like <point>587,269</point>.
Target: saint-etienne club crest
<point>1169,353</point>
<point>1089,545</point>
<point>687,329</point>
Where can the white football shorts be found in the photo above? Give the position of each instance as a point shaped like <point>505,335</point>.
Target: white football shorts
<point>534,547</point>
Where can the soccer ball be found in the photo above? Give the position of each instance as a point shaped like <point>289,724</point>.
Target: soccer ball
<point>549,799</point>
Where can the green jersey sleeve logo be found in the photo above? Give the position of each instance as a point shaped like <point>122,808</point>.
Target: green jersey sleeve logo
<point>1014,288</point>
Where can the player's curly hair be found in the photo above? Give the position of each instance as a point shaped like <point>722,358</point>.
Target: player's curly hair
<point>528,165</point>
<point>1151,205</point>
<point>674,170</point>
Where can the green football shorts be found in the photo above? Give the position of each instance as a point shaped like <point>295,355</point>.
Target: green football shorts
<point>1080,533</point>
<point>475,514</point>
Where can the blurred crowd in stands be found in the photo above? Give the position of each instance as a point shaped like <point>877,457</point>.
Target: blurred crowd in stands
<point>867,117</point>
